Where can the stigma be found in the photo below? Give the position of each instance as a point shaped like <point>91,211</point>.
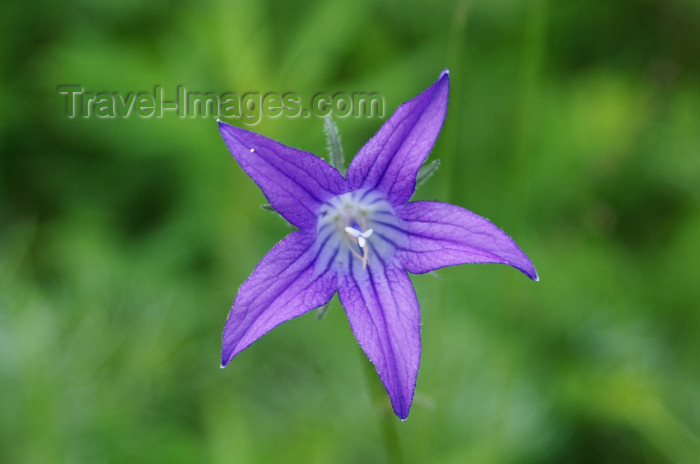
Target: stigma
<point>357,228</point>
<point>361,238</point>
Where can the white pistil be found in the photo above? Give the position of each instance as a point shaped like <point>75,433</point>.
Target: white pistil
<point>359,235</point>
<point>361,238</point>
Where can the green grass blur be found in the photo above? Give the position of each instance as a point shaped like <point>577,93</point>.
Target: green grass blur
<point>575,126</point>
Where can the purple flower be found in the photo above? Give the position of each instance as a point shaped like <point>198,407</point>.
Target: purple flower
<point>358,235</point>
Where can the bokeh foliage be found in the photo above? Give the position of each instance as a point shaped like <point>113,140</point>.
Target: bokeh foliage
<point>575,126</point>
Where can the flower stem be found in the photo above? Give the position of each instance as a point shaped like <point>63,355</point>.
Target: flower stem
<point>380,401</point>
<point>527,109</point>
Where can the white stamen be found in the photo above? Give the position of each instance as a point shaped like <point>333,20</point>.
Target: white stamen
<point>252,150</point>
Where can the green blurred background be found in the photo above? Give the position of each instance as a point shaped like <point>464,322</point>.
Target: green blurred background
<point>575,126</point>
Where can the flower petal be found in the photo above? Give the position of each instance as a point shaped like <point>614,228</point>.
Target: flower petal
<point>440,234</point>
<point>295,182</point>
<point>390,160</point>
<point>288,282</point>
<point>385,318</point>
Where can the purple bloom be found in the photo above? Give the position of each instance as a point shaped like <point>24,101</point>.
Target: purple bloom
<point>358,235</point>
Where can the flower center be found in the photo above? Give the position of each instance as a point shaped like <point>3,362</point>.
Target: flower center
<point>357,228</point>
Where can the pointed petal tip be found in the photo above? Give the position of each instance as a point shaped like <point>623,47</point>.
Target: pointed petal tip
<point>400,407</point>
<point>226,358</point>
<point>530,271</point>
<point>443,79</point>
<point>225,129</point>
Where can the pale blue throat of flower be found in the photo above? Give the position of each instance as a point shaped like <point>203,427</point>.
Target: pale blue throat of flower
<point>358,227</point>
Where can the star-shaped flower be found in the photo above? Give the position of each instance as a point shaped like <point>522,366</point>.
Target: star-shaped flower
<point>358,235</point>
